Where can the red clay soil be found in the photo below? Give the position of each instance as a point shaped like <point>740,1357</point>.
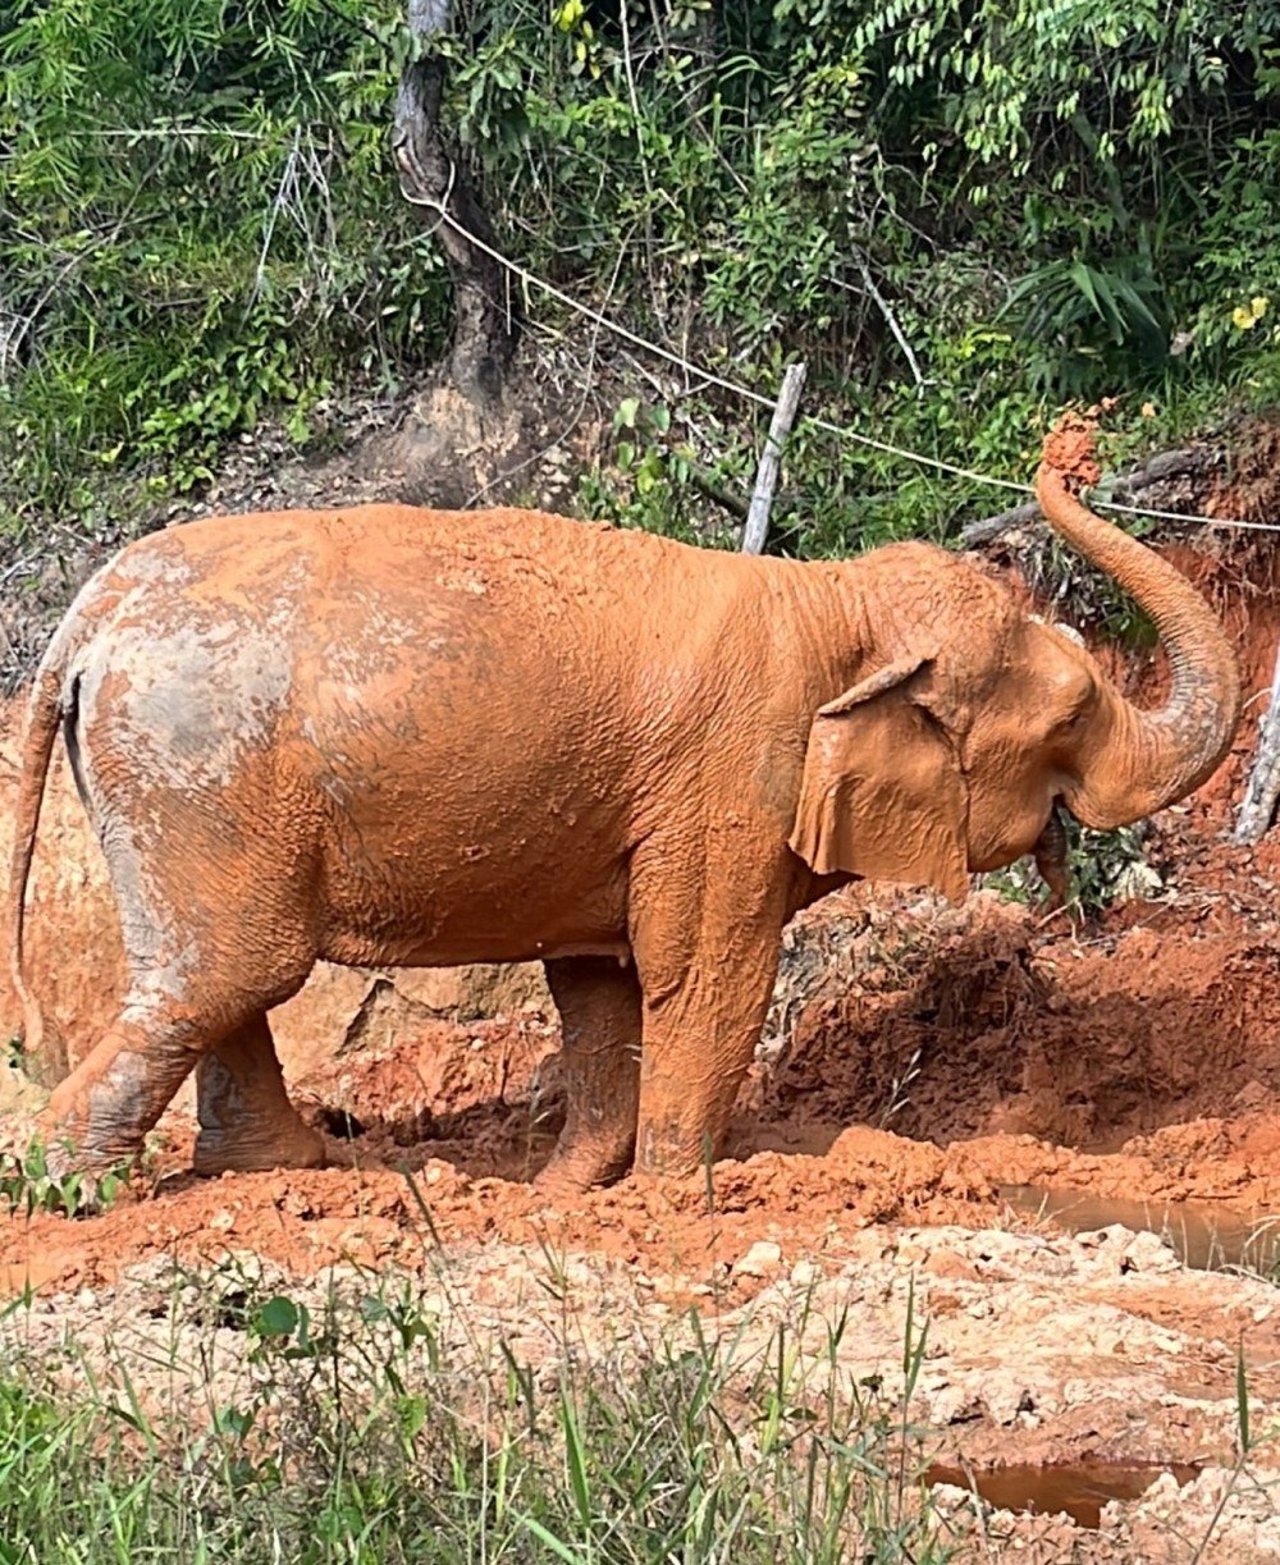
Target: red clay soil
<point>1140,1062</point>
<point>1139,1057</point>
<point>1069,448</point>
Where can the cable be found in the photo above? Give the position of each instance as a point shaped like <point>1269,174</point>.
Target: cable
<point>710,378</point>
<point>1186,516</point>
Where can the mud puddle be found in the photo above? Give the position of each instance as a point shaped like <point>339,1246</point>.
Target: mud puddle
<point>1202,1236</point>
<point>1078,1489</point>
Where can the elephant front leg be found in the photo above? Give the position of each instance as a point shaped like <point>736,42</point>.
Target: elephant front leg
<point>698,1045</point>
<point>246,1120</point>
<point>599,1005</point>
<point>707,976</point>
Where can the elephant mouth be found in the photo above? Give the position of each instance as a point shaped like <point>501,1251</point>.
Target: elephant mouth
<point>1051,854</point>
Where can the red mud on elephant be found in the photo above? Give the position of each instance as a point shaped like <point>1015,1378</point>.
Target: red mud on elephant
<point>304,736</point>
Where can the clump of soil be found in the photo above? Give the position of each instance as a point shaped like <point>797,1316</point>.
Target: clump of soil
<point>1069,448</point>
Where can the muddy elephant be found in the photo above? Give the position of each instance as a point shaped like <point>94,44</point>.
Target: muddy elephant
<point>384,735</point>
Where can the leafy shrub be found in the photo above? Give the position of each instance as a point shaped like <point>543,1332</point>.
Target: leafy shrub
<point>950,212</point>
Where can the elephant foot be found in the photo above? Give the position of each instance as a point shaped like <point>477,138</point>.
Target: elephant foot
<point>247,1123</point>
<point>68,1145</point>
<point>573,1169</point>
<point>667,1149</point>
<point>256,1151</point>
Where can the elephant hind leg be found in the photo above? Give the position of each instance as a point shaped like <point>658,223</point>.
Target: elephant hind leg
<point>199,992</point>
<point>217,928</point>
<point>247,1122</point>
<point>599,1004</point>
<point>109,1102</point>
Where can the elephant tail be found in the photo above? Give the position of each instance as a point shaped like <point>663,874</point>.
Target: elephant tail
<point>51,703</point>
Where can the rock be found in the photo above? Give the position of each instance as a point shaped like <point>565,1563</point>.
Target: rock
<point>998,1252</point>
<point>952,1404</point>
<point>947,1263</point>
<point>1148,1252</point>
<point>19,1095</point>
<point>761,1260</point>
<point>1005,1395</point>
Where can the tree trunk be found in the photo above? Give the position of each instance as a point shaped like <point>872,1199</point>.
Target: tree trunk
<point>432,178</point>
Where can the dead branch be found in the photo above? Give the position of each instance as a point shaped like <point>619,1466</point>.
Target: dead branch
<point>756,530</point>
<point>704,480</point>
<point>891,320</point>
<point>1259,804</point>
<point>1155,470</point>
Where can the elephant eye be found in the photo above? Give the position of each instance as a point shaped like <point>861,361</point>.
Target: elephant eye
<point>1073,718</point>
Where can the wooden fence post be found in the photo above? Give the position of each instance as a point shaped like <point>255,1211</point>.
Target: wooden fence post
<point>756,530</point>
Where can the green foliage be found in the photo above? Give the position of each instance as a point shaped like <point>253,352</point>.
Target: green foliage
<point>1073,311</point>
<point>1105,867</point>
<point>195,225</point>
<point>27,1185</point>
<point>953,213</point>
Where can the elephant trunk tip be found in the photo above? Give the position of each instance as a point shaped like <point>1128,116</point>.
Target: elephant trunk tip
<point>1069,451</point>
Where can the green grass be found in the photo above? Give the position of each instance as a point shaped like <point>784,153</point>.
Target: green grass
<point>351,1437</point>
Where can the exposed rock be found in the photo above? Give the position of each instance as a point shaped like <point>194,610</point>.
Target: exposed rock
<point>761,1260</point>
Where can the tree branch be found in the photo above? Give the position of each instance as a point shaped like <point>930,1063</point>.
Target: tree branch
<point>756,531</point>
<point>891,320</point>
<point>1258,807</point>
<point>703,479</point>
<point>1156,470</point>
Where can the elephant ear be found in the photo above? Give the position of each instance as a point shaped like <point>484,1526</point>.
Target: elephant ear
<point>883,795</point>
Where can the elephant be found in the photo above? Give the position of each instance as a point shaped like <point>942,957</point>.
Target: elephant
<point>383,735</point>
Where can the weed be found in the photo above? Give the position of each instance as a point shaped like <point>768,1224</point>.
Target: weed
<point>900,1088</point>
<point>1104,867</point>
<point>27,1185</point>
<point>348,1436</point>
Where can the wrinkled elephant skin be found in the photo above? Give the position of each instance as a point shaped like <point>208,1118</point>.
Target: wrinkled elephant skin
<point>391,736</point>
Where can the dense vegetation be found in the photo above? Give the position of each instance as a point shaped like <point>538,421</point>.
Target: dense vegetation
<point>958,214</point>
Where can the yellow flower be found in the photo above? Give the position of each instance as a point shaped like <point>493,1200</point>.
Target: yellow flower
<point>1258,304</point>
<point>1246,320</point>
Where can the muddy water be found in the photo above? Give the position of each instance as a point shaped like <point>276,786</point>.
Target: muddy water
<point>1078,1491</point>
<point>1201,1235</point>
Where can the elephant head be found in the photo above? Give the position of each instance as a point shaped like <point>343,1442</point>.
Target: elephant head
<point>953,755</point>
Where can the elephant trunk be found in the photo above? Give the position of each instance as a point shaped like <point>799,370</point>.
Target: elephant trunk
<point>1150,759</point>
